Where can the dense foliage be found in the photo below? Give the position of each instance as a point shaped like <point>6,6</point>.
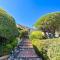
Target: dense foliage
<point>7,25</point>
<point>49,23</point>
<point>8,33</point>
<point>54,52</point>
<point>36,35</point>
<point>48,49</point>
<point>7,48</point>
<point>22,31</point>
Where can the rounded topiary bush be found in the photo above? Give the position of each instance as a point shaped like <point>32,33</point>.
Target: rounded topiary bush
<point>8,28</point>
<point>36,35</point>
<point>8,32</point>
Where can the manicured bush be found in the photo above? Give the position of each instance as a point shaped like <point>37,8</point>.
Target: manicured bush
<point>36,35</point>
<point>54,52</point>
<point>7,25</point>
<point>49,49</point>
<point>8,32</point>
<point>40,48</point>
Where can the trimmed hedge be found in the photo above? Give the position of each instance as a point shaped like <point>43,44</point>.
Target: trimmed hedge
<point>8,33</point>
<point>8,27</point>
<point>48,49</point>
<point>54,52</point>
<point>36,35</point>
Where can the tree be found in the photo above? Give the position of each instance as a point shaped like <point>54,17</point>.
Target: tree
<point>49,23</point>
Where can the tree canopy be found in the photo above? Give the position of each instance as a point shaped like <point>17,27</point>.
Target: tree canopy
<point>50,22</point>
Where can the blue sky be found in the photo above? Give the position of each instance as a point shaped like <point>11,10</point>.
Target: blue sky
<point>26,12</point>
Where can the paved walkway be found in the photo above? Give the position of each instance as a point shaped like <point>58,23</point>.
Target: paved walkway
<point>24,51</point>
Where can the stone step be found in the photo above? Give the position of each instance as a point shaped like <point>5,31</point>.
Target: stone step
<point>24,58</point>
<point>26,46</point>
<point>24,51</point>
<point>29,58</point>
<point>27,53</point>
<point>25,43</point>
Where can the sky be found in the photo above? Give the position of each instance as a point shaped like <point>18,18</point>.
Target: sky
<point>27,12</point>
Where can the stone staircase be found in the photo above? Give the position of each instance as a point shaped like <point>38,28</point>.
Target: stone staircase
<point>24,51</point>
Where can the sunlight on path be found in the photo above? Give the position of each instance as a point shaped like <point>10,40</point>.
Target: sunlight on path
<point>24,51</point>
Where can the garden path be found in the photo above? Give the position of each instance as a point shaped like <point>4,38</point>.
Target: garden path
<point>24,51</point>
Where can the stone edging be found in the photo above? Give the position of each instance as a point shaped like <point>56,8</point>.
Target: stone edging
<point>4,57</point>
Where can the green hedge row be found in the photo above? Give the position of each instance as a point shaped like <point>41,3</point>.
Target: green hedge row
<point>48,49</point>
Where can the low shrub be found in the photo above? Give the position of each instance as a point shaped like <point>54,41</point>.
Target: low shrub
<point>48,49</point>
<point>36,35</point>
<point>7,48</point>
